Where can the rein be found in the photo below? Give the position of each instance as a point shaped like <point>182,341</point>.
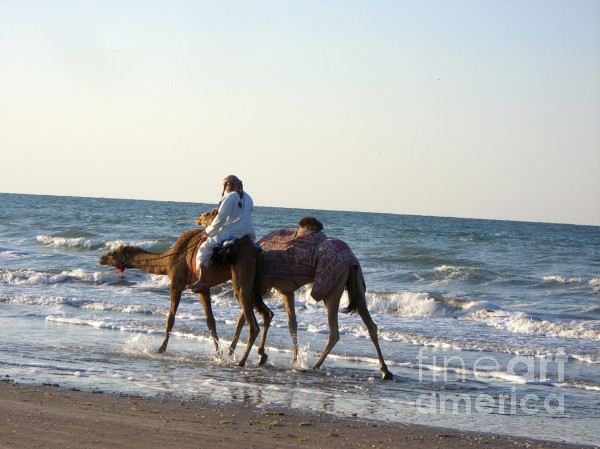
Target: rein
<point>121,264</point>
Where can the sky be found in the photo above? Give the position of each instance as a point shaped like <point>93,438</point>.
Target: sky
<point>461,108</point>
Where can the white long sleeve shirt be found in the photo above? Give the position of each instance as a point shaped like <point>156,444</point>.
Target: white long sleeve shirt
<point>233,222</point>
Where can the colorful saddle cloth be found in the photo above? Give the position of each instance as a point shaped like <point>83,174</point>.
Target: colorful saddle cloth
<point>299,253</point>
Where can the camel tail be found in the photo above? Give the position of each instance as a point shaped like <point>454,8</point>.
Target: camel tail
<point>356,290</point>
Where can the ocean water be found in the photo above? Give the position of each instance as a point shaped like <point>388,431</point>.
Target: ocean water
<point>487,325</point>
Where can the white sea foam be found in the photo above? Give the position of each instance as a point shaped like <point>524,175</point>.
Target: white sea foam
<point>522,323</point>
<point>407,304</point>
<point>32,300</point>
<point>69,242</point>
<point>125,308</point>
<point>139,344</point>
<point>420,304</point>
<point>148,245</point>
<point>449,268</point>
<point>452,272</point>
<point>100,306</point>
<point>97,323</point>
<point>26,276</point>
<point>139,309</point>
<point>159,280</point>
<point>318,329</point>
<point>87,243</point>
<point>562,279</point>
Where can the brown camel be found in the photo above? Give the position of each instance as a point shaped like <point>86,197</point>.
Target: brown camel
<point>349,280</point>
<point>177,262</point>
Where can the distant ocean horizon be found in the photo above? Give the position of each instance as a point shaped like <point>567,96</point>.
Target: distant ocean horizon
<point>489,325</point>
<point>316,209</point>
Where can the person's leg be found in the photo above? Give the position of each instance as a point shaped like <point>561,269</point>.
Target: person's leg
<point>202,260</point>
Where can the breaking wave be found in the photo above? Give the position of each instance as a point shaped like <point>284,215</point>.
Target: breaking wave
<point>419,304</point>
<point>525,324</point>
<point>93,244</point>
<point>424,305</point>
<point>32,277</point>
<point>445,273</point>
<point>563,280</point>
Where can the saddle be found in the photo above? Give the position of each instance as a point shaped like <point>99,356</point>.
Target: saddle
<point>225,253</point>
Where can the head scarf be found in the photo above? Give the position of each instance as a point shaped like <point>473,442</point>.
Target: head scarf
<point>233,181</point>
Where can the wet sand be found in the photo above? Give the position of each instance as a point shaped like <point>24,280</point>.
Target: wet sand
<point>53,417</point>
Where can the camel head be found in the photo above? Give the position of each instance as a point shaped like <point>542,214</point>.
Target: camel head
<point>116,258</point>
<point>206,218</point>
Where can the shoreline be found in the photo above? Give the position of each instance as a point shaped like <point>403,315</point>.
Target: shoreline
<point>56,417</point>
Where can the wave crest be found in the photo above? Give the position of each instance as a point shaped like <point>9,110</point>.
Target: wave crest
<point>525,324</point>
<point>31,277</point>
<point>91,244</point>
<point>562,280</point>
<point>68,242</point>
<point>420,304</point>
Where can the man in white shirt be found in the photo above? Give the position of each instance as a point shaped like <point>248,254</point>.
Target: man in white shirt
<point>232,222</point>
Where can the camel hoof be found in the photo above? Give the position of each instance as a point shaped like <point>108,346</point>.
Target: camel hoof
<point>387,375</point>
<point>263,359</point>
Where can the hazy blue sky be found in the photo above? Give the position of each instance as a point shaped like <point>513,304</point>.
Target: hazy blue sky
<point>479,108</point>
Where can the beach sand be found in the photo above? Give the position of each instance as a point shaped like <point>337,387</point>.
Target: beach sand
<point>52,417</point>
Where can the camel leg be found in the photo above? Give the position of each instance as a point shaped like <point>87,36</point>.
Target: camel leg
<point>239,324</point>
<point>332,302</point>
<point>267,316</point>
<point>243,281</point>
<point>253,331</point>
<point>372,327</point>
<point>175,298</point>
<point>333,306</point>
<point>288,300</point>
<point>210,318</point>
<point>356,290</point>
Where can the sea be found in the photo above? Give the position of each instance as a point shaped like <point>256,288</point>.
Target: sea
<point>487,325</point>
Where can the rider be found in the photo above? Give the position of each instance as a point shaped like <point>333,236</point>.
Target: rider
<point>232,222</point>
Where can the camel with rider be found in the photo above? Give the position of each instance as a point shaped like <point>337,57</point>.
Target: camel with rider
<point>249,285</point>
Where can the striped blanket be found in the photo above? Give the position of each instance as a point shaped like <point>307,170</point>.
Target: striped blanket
<point>302,254</point>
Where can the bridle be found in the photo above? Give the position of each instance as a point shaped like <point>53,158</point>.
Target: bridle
<point>121,264</point>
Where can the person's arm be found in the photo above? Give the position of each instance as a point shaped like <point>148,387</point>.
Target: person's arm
<point>224,212</point>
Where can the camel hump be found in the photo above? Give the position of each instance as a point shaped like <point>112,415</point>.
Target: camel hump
<point>311,223</point>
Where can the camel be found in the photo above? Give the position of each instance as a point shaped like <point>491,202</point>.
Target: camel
<point>177,262</point>
<point>286,286</point>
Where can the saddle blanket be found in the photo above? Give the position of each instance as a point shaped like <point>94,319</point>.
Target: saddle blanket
<point>300,253</point>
